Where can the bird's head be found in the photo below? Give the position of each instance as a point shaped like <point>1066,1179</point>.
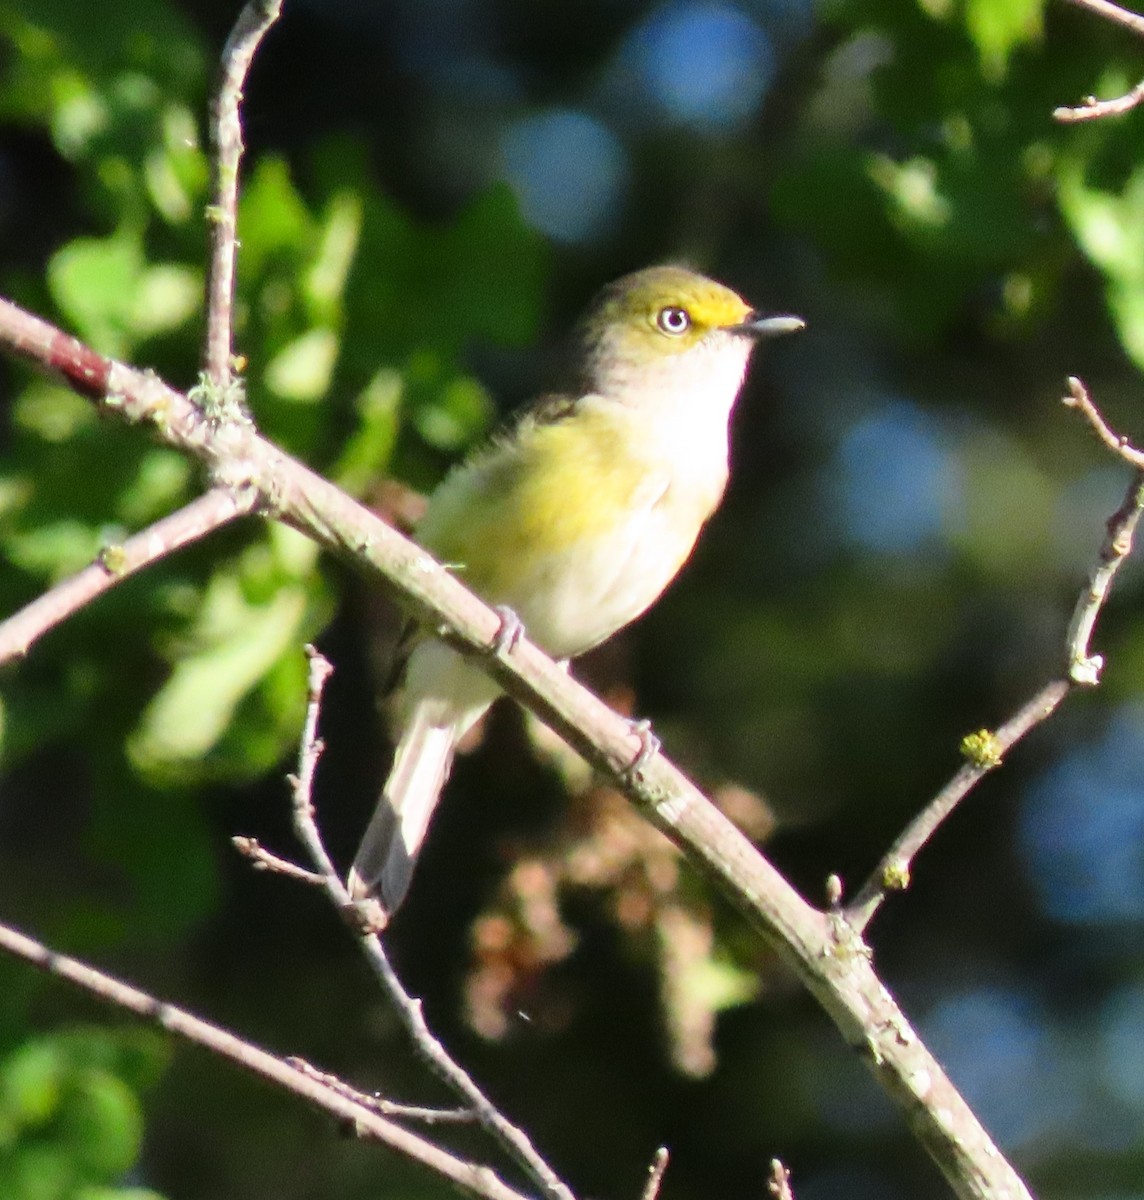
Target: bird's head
<point>648,321</point>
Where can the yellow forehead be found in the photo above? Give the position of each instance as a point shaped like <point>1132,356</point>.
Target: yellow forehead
<point>640,297</point>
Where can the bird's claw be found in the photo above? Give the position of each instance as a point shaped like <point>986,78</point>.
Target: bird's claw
<point>367,916</point>
<point>649,747</point>
<point>508,635</point>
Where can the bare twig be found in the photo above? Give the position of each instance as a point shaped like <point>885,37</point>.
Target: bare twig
<point>1079,399</point>
<point>226,140</point>
<point>1083,666</point>
<point>364,1119</point>
<point>409,1010</point>
<point>116,562</point>
<point>387,1108</point>
<point>893,872</point>
<point>986,749</point>
<point>262,860</point>
<point>1090,108</point>
<point>655,1172</point>
<point>778,1181</point>
<point>1113,12</point>
<point>836,971</point>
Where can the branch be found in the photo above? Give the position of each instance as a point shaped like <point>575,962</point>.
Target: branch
<point>986,749</point>
<point>1092,109</point>
<point>409,1011</point>
<point>1113,12</point>
<point>655,1173</point>
<point>830,959</point>
<point>226,141</point>
<point>361,1117</point>
<point>778,1181</point>
<point>116,562</point>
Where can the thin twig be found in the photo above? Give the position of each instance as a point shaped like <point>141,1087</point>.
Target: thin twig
<point>1113,12</point>
<point>1092,109</point>
<point>986,750</point>
<point>409,1010</point>
<point>893,872</point>
<point>363,1119</point>
<point>387,1108</point>
<point>778,1181</point>
<point>1078,398</point>
<point>262,860</point>
<point>116,562</point>
<point>226,141</point>
<point>655,1172</point>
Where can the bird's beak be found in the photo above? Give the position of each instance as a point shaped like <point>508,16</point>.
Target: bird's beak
<point>760,325</point>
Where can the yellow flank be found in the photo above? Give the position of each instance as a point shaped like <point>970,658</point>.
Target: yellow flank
<point>548,489</point>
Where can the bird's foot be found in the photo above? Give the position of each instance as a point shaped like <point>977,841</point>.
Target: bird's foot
<point>508,635</point>
<point>649,747</point>
<point>367,915</point>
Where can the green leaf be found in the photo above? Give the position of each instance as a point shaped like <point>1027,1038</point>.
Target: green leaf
<point>166,296</point>
<point>1110,229</point>
<point>54,549</point>
<point>998,27</point>
<point>367,453</point>
<point>94,282</point>
<point>301,370</point>
<point>272,217</point>
<point>239,643</point>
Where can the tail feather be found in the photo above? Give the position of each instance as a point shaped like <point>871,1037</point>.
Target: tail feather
<point>384,862</point>
<point>442,699</point>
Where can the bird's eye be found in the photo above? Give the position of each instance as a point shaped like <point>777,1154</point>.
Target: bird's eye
<point>673,320</point>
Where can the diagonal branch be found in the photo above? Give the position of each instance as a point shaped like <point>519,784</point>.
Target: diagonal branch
<point>1113,12</point>
<point>116,562</point>
<point>365,1121</point>
<point>986,749</point>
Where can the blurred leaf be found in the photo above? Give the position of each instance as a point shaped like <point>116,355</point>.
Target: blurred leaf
<point>998,27</point>
<point>366,454</point>
<point>94,282</point>
<point>167,295</point>
<point>105,1193</point>
<point>335,253</point>
<point>301,370</point>
<point>237,643</point>
<point>272,217</point>
<point>56,549</point>
<point>69,1110</point>
<point>1110,228</point>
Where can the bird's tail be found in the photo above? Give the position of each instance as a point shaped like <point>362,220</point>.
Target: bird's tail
<point>384,862</point>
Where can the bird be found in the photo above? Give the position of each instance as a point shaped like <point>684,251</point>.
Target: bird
<point>571,523</point>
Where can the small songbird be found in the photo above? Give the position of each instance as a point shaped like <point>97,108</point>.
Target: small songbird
<point>573,522</point>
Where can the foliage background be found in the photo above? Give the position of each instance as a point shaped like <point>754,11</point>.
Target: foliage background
<point>434,189</point>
